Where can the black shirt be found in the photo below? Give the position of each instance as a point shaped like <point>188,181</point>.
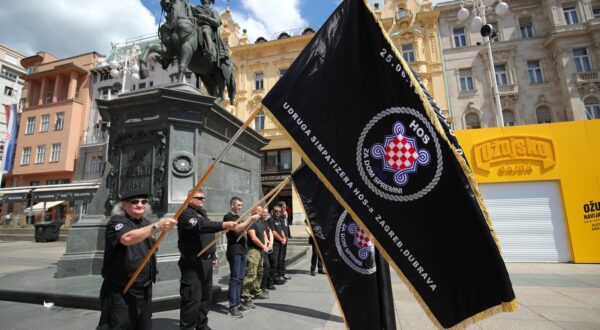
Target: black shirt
<point>120,261</point>
<point>275,225</point>
<point>259,229</point>
<point>195,232</point>
<point>233,246</point>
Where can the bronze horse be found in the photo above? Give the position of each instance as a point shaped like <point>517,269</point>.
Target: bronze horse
<point>181,37</point>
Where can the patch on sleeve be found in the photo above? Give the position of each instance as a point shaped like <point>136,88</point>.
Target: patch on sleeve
<point>118,226</point>
<point>193,221</point>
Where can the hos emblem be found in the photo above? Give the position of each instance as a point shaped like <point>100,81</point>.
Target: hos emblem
<point>118,226</point>
<point>404,165</point>
<point>354,245</point>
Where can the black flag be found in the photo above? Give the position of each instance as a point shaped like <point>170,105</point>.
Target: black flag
<point>347,251</point>
<point>365,126</point>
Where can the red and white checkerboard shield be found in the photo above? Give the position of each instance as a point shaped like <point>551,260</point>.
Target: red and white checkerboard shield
<point>400,153</point>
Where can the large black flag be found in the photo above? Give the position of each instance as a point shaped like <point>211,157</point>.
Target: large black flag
<point>366,127</point>
<point>347,251</point>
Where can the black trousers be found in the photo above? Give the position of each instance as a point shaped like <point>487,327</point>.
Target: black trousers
<point>130,311</point>
<point>282,262</point>
<point>315,260</point>
<point>195,290</point>
<point>274,264</point>
<point>266,270</point>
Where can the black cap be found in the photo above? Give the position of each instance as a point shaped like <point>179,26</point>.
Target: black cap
<point>134,192</point>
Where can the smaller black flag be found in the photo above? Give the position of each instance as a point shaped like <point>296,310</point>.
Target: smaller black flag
<point>347,251</point>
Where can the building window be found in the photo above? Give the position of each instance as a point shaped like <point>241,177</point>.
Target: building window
<point>526,25</point>
<point>55,154</point>
<point>44,123</point>
<point>582,61</point>
<point>96,167</point>
<point>277,160</point>
<point>258,81</point>
<point>501,74</point>
<point>151,83</point>
<point>60,121</point>
<point>105,76</point>
<point>30,127</point>
<point>592,108</point>
<point>59,181</point>
<point>408,52</point>
<point>466,80</point>
<point>596,12</point>
<point>535,72</point>
<point>460,39</point>
<point>472,121</point>
<point>543,115</point>
<point>41,154</point>
<point>259,121</point>
<point>26,156</point>
<point>509,118</point>
<point>402,13</point>
<point>570,13</point>
<point>142,85</point>
<point>282,72</point>
<point>34,183</point>
<point>8,73</point>
<point>8,91</point>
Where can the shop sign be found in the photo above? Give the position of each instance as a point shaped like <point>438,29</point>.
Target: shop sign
<point>591,215</point>
<point>274,178</point>
<point>502,152</point>
<point>14,198</point>
<point>72,195</point>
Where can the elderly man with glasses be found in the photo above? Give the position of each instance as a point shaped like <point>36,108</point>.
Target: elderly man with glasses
<point>128,238</point>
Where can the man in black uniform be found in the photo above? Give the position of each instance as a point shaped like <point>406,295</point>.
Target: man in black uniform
<point>126,243</point>
<point>279,240</point>
<point>195,232</point>
<point>285,218</point>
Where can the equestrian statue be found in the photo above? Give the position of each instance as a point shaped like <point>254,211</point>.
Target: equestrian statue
<point>191,35</point>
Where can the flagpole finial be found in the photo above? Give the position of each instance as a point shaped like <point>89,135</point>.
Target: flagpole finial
<point>228,2</point>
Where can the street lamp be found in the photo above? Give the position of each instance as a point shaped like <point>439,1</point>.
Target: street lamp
<point>479,24</point>
<point>126,63</point>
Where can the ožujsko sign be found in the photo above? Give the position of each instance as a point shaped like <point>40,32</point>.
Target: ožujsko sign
<point>523,148</point>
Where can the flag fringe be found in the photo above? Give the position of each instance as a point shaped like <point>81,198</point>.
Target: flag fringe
<point>431,114</point>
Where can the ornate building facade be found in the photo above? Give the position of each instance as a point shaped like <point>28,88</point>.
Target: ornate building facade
<point>546,59</point>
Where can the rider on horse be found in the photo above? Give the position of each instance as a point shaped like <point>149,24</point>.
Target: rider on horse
<point>208,21</point>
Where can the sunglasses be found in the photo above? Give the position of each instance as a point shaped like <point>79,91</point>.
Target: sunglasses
<point>199,198</point>
<point>137,201</point>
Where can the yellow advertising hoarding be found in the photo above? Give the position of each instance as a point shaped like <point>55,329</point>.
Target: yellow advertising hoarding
<point>568,153</point>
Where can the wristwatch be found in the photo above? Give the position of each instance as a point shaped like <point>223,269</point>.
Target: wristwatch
<point>155,228</point>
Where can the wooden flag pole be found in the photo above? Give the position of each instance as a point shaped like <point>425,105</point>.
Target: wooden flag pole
<point>271,193</point>
<point>276,191</point>
<point>189,197</point>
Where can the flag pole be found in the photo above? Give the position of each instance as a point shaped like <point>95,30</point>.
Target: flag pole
<point>386,298</point>
<point>276,191</point>
<point>271,193</point>
<point>189,197</point>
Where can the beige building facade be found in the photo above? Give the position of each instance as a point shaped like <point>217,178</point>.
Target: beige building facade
<point>546,59</point>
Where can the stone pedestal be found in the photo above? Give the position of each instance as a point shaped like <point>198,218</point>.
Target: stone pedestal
<point>164,139</point>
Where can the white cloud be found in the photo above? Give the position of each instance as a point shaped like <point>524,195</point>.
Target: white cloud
<point>263,18</point>
<point>71,27</point>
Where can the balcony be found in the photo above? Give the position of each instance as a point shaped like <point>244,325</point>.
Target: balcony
<point>510,89</point>
<point>586,77</point>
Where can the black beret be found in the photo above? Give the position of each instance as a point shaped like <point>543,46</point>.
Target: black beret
<point>134,192</point>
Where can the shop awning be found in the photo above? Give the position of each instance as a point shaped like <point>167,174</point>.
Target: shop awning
<point>14,195</point>
<point>39,207</point>
<point>62,193</point>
